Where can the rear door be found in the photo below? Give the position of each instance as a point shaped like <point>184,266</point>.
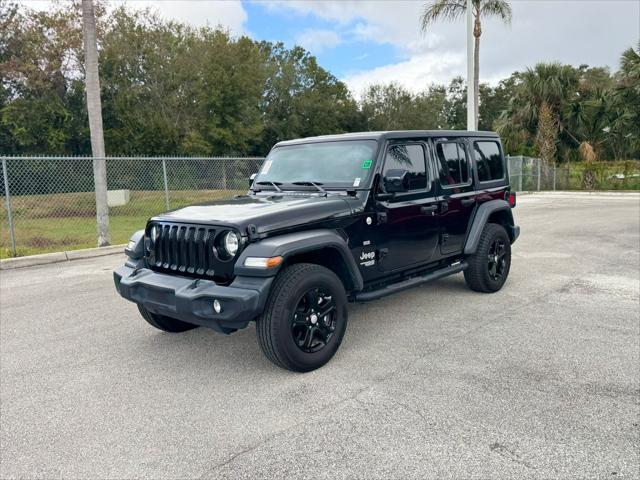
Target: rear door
<point>456,194</point>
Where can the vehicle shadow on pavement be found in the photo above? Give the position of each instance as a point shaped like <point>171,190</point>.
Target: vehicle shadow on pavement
<point>393,318</point>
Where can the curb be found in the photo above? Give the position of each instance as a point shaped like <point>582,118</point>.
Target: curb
<point>56,257</point>
<point>581,193</point>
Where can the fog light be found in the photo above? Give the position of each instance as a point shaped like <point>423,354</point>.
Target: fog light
<point>217,306</point>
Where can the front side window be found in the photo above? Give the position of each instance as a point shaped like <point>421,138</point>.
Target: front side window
<point>488,161</point>
<point>346,163</point>
<point>454,165</point>
<point>410,158</point>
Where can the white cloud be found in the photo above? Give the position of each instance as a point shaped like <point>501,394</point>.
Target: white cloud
<point>594,32</point>
<point>316,40</point>
<point>227,14</point>
<point>416,73</point>
<point>391,21</point>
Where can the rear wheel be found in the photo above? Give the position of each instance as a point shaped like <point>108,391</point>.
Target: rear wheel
<point>305,318</point>
<point>489,266</point>
<point>166,324</point>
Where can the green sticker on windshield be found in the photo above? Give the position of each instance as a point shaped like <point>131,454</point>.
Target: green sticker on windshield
<point>367,164</point>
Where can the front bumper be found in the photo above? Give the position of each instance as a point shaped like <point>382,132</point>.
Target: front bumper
<point>191,300</point>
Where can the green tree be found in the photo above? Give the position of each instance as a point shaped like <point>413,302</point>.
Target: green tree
<point>536,111</point>
<point>301,98</point>
<point>494,100</point>
<point>452,10</point>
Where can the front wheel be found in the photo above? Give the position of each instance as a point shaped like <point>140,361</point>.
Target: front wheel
<point>305,318</point>
<point>489,266</point>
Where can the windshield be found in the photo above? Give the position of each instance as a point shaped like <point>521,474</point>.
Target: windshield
<point>343,164</point>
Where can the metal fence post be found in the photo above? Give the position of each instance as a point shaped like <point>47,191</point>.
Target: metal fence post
<point>554,178</point>
<point>166,184</point>
<point>7,196</point>
<point>539,167</point>
<point>521,173</point>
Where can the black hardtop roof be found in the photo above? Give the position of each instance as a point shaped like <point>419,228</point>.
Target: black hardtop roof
<point>391,134</point>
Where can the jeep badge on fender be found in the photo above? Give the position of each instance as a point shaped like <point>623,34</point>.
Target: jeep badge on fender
<point>327,221</point>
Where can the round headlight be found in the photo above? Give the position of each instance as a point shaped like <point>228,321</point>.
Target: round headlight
<point>231,242</point>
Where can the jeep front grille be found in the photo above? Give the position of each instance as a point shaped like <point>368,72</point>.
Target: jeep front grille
<point>189,250</point>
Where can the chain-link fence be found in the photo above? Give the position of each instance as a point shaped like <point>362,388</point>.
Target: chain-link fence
<point>50,201</point>
<point>531,174</point>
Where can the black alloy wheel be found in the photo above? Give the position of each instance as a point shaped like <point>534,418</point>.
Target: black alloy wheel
<point>497,259</point>
<point>313,322</point>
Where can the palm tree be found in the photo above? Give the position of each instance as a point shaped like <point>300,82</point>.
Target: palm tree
<point>453,10</point>
<point>544,94</point>
<point>94,109</point>
<point>540,110</point>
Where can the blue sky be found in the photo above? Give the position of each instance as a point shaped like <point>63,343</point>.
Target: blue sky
<point>372,41</point>
<point>336,47</point>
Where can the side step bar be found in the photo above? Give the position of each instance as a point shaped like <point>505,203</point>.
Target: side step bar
<point>410,283</point>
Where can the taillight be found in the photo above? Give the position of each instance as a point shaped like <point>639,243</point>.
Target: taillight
<point>511,198</point>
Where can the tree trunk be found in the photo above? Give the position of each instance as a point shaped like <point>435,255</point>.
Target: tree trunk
<point>477,32</point>
<point>546,140</point>
<point>94,109</point>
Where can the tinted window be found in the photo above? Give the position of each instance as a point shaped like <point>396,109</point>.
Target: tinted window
<point>454,166</point>
<point>488,161</point>
<point>411,158</point>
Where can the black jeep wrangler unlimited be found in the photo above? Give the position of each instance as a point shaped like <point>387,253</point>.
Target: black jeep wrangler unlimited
<point>326,221</point>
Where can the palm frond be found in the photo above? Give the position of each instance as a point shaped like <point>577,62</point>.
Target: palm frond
<point>496,8</point>
<point>449,10</point>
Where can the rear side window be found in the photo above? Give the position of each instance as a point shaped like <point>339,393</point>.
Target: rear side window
<point>488,161</point>
<point>454,164</point>
<point>411,158</point>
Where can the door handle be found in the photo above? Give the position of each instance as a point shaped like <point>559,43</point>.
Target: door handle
<point>467,201</point>
<point>428,209</point>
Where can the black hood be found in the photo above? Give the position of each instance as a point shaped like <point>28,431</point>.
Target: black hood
<point>267,213</point>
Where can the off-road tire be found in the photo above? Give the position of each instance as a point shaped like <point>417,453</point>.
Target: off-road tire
<point>273,327</point>
<point>477,275</point>
<point>166,324</point>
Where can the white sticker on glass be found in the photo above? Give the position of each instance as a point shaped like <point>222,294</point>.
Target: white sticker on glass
<point>266,167</point>
<point>356,182</point>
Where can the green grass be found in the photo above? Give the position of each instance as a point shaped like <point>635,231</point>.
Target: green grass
<point>53,223</point>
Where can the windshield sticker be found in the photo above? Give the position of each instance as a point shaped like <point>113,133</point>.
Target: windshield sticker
<point>356,182</point>
<point>367,164</point>
<point>266,167</point>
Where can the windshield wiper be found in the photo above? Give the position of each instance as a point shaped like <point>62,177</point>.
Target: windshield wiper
<point>311,184</point>
<point>273,184</point>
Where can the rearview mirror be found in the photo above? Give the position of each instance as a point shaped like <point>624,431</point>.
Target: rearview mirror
<point>252,178</point>
<point>396,181</point>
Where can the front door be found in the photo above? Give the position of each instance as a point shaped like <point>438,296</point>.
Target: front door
<point>457,197</point>
<point>407,224</point>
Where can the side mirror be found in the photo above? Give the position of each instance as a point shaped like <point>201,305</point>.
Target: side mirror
<point>252,178</point>
<point>396,181</point>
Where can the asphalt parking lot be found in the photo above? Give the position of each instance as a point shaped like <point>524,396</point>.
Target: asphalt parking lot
<point>539,380</point>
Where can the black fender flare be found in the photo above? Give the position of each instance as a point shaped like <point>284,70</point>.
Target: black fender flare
<point>290,244</point>
<point>483,212</point>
